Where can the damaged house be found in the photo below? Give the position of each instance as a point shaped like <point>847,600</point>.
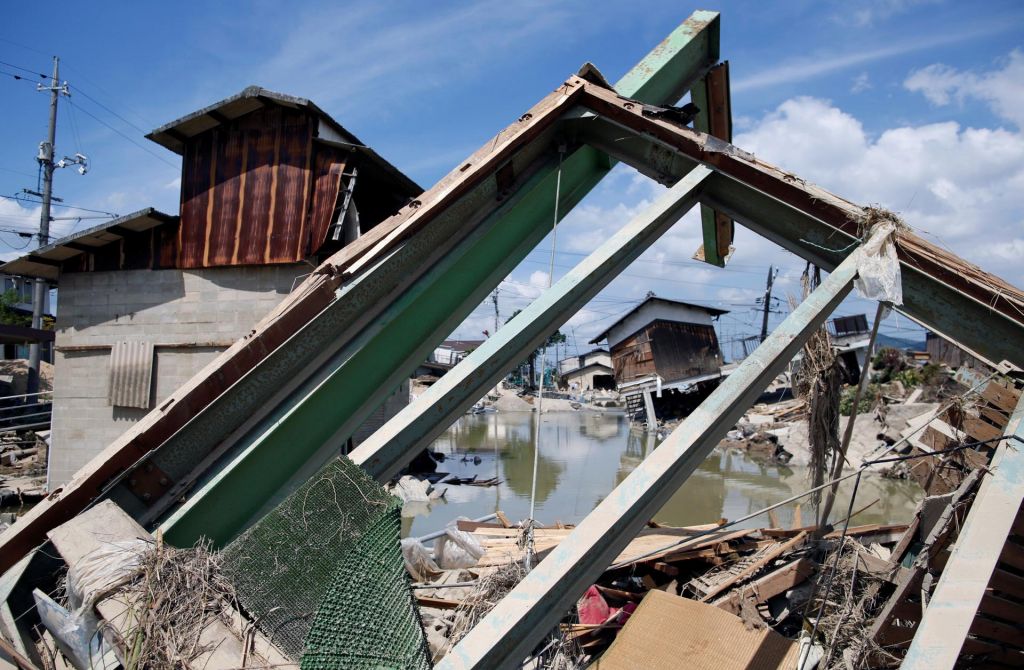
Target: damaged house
<point>665,356</point>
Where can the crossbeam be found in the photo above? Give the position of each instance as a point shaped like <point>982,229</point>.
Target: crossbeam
<point>526,615</point>
<point>954,604</point>
<point>416,426</point>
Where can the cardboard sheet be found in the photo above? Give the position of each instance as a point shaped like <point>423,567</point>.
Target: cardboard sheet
<point>668,632</point>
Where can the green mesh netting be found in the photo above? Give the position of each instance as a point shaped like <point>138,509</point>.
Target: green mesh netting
<point>323,575</point>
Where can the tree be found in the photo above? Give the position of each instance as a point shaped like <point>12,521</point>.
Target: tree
<point>554,338</point>
<point>9,315</point>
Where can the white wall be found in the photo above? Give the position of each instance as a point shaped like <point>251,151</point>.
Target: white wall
<point>656,310</point>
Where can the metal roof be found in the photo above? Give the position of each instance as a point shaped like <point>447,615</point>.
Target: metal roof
<point>45,262</point>
<point>173,135</point>
<point>713,311</point>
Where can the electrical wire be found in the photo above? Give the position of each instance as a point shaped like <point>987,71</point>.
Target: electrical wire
<point>60,204</point>
<point>129,139</point>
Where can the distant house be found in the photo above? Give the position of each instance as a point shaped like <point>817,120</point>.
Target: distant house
<point>16,338</point>
<point>940,350</point>
<point>451,352</point>
<point>589,371</point>
<point>665,345</point>
<point>270,185</point>
<point>850,336</point>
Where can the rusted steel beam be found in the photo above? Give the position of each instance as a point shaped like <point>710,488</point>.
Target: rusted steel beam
<point>712,96</point>
<point>526,615</point>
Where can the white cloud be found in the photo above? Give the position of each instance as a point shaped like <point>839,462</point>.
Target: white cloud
<point>958,186</point>
<point>869,12</point>
<point>861,83</point>
<point>368,55</point>
<point>1002,89</point>
<point>817,65</point>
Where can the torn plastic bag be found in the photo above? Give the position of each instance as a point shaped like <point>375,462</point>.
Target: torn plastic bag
<point>418,561</point>
<point>76,635</point>
<point>878,266</point>
<point>457,548</point>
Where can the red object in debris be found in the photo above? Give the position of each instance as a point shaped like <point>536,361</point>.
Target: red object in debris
<point>592,607</point>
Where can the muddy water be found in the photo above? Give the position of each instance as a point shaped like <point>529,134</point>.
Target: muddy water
<point>584,455</point>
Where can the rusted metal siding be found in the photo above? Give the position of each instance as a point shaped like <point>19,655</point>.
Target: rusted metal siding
<point>329,167</point>
<point>131,374</point>
<point>246,189</point>
<point>669,349</point>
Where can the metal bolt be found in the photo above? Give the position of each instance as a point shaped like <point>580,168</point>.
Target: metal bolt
<point>163,481</point>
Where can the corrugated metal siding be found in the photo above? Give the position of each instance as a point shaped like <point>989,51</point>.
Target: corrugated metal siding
<point>330,165</point>
<point>131,374</point>
<point>246,189</point>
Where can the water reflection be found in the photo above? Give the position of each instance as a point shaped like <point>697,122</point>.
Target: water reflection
<point>584,455</point>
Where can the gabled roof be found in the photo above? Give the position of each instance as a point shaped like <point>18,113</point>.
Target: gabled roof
<point>173,135</point>
<point>45,262</point>
<point>713,311</point>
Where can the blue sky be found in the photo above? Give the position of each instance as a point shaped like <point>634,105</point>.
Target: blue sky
<point>915,105</point>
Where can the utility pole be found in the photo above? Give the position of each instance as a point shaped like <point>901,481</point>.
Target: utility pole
<point>767,303</point>
<point>494,297</point>
<point>39,286</point>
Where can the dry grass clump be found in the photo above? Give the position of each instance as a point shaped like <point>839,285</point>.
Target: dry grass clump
<point>176,595</point>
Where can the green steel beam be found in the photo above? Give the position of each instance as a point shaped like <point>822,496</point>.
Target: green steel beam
<point>307,427</point>
<point>528,613</point>
<point>390,448</point>
<point>990,334</point>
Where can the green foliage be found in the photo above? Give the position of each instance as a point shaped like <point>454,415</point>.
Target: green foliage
<point>8,314</point>
<point>910,378</point>
<point>867,400</point>
<point>887,363</point>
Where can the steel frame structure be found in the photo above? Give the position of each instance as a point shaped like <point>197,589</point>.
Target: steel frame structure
<point>280,403</point>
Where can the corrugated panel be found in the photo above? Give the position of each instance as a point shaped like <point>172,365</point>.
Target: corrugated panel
<point>330,166</point>
<point>131,374</point>
<point>246,188</point>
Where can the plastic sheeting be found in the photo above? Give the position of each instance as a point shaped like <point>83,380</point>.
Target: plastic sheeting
<point>878,266</point>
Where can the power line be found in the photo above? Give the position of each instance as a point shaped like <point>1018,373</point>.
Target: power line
<point>78,89</point>
<point>82,209</point>
<point>24,69</point>
<point>144,148</point>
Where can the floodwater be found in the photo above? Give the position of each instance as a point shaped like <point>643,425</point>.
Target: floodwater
<point>584,455</point>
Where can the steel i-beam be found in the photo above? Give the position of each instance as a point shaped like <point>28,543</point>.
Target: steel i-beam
<point>398,441</point>
<point>308,427</point>
<point>952,608</point>
<point>525,616</point>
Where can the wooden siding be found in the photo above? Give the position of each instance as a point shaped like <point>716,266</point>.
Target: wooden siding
<point>670,349</point>
<point>246,189</point>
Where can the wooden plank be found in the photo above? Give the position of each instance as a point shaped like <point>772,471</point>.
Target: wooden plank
<point>1012,555</point>
<point>769,586</point>
<point>996,606</point>
<point>1000,396</point>
<point>1007,582</point>
<point>1003,633</point>
<point>437,603</point>
<point>756,566</point>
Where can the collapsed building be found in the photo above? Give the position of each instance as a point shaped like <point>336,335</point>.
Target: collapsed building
<point>246,454</point>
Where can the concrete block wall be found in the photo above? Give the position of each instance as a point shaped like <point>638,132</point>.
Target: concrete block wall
<point>191,316</point>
